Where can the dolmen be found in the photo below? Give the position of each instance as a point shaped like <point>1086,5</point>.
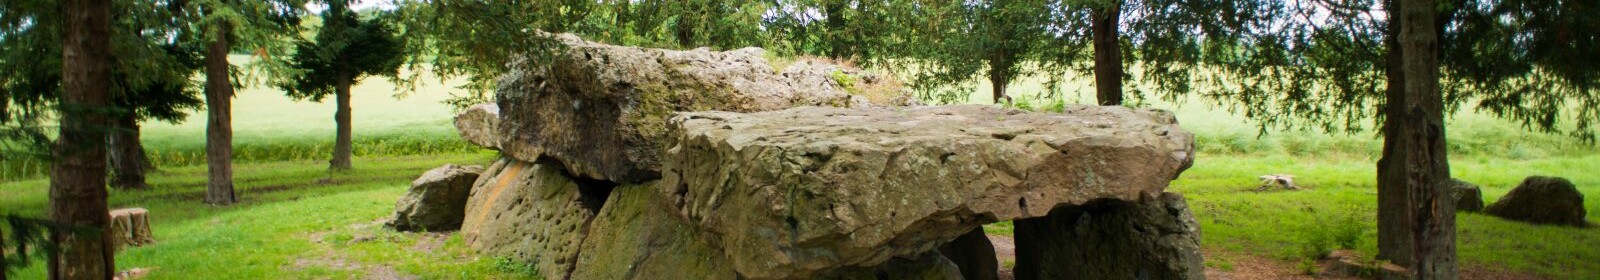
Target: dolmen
<point>634,163</point>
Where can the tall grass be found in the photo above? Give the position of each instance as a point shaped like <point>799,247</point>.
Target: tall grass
<point>269,151</point>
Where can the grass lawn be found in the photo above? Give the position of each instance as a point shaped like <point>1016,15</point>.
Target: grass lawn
<point>294,221</point>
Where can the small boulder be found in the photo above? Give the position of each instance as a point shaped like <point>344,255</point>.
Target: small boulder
<point>478,123</point>
<point>436,200</point>
<point>1469,198</point>
<point>1542,200</point>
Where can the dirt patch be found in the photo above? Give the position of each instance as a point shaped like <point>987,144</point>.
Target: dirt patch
<point>429,241</point>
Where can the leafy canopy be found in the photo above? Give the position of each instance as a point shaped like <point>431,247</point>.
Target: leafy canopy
<point>344,50</point>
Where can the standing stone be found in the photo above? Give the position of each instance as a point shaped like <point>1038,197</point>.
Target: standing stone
<point>478,125</point>
<point>973,253</point>
<point>1469,198</point>
<point>436,200</point>
<point>639,236</point>
<point>531,213</point>
<point>1542,200</point>
<point>792,193</point>
<point>1156,238</point>
<point>601,110</point>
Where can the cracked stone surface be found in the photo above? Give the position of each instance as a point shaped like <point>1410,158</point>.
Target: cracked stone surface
<point>600,110</point>
<point>794,193</point>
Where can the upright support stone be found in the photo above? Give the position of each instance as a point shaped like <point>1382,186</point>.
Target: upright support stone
<point>973,253</point>
<point>1155,238</point>
<point>532,213</point>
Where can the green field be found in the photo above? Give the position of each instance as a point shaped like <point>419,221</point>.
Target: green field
<point>298,221</point>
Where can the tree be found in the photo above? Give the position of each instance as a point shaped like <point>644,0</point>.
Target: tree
<point>346,49</point>
<point>77,176</point>
<point>957,41</point>
<point>1336,64</point>
<point>152,77</point>
<point>1415,162</point>
<point>221,25</point>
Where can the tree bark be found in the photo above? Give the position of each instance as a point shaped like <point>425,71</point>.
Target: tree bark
<point>1394,228</point>
<point>1000,74</point>
<point>219,126</point>
<point>128,160</point>
<point>1107,54</point>
<point>341,144</point>
<point>78,173</point>
<point>1420,225</point>
<point>838,48</point>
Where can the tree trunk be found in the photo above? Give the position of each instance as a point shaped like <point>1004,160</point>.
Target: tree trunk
<point>78,172</point>
<point>1394,226</point>
<point>341,144</point>
<point>1107,54</point>
<point>838,48</point>
<point>219,127</point>
<point>1000,74</point>
<point>128,160</point>
<point>1420,225</point>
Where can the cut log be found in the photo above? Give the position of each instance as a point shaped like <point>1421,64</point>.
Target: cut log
<point>130,227</point>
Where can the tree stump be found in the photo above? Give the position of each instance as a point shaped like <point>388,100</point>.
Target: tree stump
<point>130,227</point>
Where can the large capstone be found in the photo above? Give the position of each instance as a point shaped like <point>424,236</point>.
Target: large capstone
<point>791,193</point>
<point>601,110</point>
<point>436,200</point>
<point>479,125</point>
<point>532,213</point>
<point>1154,238</point>
<point>1542,200</point>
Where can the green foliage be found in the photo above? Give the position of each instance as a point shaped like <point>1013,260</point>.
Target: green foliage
<point>1326,68</point>
<point>846,81</point>
<point>344,51</point>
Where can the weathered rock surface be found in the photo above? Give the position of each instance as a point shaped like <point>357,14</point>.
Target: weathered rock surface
<point>790,193</point>
<point>1469,197</point>
<point>479,125</point>
<point>601,110</point>
<point>974,254</point>
<point>436,200</point>
<point>1156,238</point>
<point>1542,200</point>
<point>639,236</point>
<point>532,213</point>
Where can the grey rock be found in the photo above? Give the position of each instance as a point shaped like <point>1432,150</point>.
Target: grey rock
<point>1469,197</point>
<point>1542,200</point>
<point>791,193</point>
<point>600,110</point>
<point>639,236</point>
<point>436,200</point>
<point>1155,238</point>
<point>479,125</point>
